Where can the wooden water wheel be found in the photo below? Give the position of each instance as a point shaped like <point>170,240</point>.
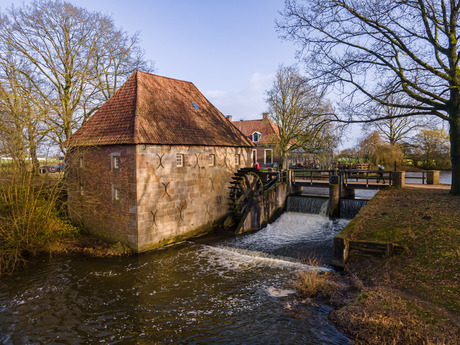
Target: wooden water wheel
<point>246,183</point>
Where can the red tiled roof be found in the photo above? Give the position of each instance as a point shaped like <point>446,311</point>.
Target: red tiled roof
<point>150,109</point>
<point>267,128</point>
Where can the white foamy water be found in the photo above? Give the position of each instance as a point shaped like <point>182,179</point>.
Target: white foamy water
<point>237,258</point>
<point>293,228</point>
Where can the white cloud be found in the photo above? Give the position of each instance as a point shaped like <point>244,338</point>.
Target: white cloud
<point>246,104</point>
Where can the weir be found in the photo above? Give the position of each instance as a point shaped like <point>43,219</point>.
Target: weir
<point>307,204</point>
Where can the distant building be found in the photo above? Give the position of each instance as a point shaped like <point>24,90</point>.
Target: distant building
<point>153,164</point>
<point>264,134</point>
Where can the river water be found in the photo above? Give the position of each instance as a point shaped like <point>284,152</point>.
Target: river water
<point>219,290</point>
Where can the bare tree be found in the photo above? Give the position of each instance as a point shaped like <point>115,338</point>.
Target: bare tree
<point>300,113</point>
<point>391,123</point>
<point>79,58</point>
<point>429,149</point>
<point>22,121</point>
<point>364,46</point>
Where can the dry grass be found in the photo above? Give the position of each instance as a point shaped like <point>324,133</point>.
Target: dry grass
<point>411,298</point>
<point>382,316</point>
<point>310,282</point>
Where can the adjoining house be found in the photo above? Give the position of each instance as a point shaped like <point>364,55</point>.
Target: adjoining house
<point>153,164</point>
<point>264,134</point>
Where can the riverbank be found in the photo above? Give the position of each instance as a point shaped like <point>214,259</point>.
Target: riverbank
<point>411,298</point>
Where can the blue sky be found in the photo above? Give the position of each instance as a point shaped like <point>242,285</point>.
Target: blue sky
<point>228,48</point>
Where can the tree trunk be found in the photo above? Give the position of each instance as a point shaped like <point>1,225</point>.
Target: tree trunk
<point>34,158</point>
<point>455,154</point>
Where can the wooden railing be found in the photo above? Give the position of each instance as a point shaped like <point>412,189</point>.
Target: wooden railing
<point>422,177</point>
<point>312,175</point>
<point>373,176</point>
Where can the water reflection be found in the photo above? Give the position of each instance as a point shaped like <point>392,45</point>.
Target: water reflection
<point>191,293</point>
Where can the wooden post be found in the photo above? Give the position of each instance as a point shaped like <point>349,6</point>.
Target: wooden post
<point>399,178</point>
<point>347,193</point>
<point>334,200</point>
<point>432,177</point>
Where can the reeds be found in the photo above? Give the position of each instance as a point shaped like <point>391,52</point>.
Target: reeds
<point>311,282</point>
<point>28,216</point>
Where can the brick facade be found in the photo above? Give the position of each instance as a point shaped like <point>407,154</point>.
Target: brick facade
<point>160,202</point>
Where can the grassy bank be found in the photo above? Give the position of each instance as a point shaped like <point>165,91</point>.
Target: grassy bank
<point>412,298</point>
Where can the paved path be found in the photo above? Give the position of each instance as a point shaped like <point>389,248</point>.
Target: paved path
<point>429,186</point>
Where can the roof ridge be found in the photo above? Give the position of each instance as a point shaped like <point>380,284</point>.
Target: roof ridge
<point>162,76</point>
<point>136,106</point>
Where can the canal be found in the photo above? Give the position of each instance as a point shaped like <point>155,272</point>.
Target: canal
<point>217,290</point>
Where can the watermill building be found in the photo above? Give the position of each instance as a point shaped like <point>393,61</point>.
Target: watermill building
<point>152,165</point>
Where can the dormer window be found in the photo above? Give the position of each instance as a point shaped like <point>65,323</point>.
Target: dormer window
<point>256,137</point>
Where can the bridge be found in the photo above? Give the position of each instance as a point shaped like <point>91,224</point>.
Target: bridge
<point>255,197</point>
<point>357,179</point>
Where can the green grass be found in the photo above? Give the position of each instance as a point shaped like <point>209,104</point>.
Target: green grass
<point>427,223</point>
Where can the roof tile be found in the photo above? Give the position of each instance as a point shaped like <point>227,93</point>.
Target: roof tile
<point>150,109</point>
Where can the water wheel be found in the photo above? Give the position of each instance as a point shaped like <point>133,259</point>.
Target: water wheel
<point>246,183</point>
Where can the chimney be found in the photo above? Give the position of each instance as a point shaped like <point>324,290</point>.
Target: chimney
<point>265,116</point>
<point>229,118</point>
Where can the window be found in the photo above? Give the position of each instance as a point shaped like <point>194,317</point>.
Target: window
<point>237,159</point>
<point>195,106</point>
<point>82,190</point>
<point>268,157</point>
<point>115,162</point>
<point>116,193</point>
<point>254,156</point>
<point>256,136</point>
<point>212,159</point>
<point>180,160</point>
<point>81,161</point>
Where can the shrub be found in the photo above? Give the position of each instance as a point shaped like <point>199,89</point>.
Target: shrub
<point>28,218</point>
<point>310,282</point>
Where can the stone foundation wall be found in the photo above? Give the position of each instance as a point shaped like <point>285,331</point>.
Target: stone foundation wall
<point>178,202</point>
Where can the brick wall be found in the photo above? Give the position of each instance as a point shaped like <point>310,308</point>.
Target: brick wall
<point>261,156</point>
<point>91,188</point>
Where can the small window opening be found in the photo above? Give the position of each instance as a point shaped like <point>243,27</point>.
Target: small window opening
<point>81,161</point>
<point>212,159</point>
<point>256,136</point>
<point>180,160</point>
<point>268,156</point>
<point>237,159</point>
<point>116,162</point>
<point>116,193</point>
<point>195,106</point>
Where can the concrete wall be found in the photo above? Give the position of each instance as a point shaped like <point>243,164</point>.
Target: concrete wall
<point>178,202</point>
<point>159,202</point>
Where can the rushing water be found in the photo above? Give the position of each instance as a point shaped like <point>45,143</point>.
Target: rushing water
<point>213,291</point>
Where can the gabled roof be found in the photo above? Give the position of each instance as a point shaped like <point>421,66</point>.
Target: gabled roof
<point>150,109</point>
<point>266,127</point>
